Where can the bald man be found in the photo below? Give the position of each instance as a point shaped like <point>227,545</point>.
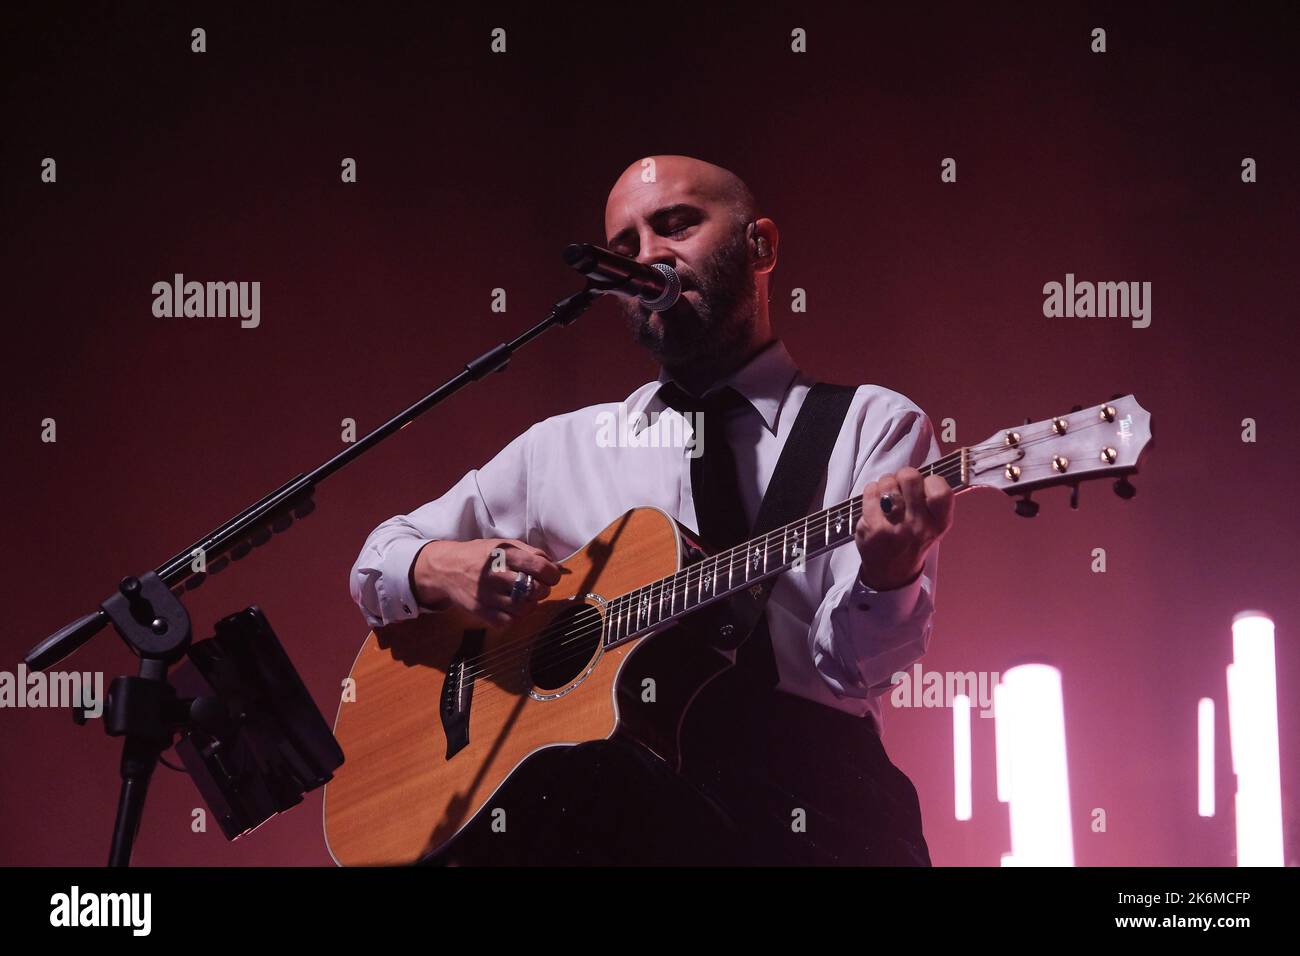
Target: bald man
<point>795,774</point>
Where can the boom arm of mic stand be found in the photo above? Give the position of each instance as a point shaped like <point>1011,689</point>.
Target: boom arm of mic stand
<point>70,637</point>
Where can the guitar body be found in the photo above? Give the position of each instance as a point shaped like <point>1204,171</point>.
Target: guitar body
<point>442,708</point>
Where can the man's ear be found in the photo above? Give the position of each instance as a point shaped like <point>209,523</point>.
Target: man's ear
<point>763,238</point>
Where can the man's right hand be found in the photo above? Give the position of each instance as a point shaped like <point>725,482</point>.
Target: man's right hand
<point>460,574</point>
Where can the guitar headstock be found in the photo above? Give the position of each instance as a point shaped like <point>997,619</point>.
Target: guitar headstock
<point>1080,445</point>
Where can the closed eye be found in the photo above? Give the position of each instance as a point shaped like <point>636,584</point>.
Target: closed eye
<point>675,222</point>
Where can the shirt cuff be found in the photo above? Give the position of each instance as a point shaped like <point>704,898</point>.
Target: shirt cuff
<point>893,606</point>
<point>396,601</point>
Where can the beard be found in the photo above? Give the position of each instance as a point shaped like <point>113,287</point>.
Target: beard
<point>713,325</point>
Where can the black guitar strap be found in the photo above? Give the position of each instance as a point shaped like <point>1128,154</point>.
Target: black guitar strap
<point>797,477</point>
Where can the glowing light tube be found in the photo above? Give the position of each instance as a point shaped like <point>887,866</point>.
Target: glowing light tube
<point>1205,757</point>
<point>1252,726</point>
<point>961,762</point>
<point>1001,719</point>
<point>1031,725</point>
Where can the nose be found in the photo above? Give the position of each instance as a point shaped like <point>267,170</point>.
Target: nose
<point>656,248</point>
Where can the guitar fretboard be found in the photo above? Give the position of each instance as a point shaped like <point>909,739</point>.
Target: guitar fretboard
<point>720,575</point>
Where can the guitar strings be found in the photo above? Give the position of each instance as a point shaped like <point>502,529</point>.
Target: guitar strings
<point>593,621</point>
<point>574,631</point>
<point>587,625</point>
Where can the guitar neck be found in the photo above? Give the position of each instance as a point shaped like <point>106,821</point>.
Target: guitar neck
<point>718,576</point>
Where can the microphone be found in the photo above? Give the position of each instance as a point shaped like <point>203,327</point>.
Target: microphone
<point>657,286</point>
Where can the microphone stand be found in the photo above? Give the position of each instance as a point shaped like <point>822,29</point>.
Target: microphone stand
<point>148,615</point>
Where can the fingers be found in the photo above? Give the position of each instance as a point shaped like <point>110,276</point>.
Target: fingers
<point>926,501</point>
<point>939,499</point>
<point>496,617</point>
<point>496,606</point>
<point>912,487</point>
<point>908,494</point>
<point>530,560</point>
<point>498,603</point>
<point>871,514</point>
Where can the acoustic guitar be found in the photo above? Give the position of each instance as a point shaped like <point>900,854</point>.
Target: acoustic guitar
<point>440,710</point>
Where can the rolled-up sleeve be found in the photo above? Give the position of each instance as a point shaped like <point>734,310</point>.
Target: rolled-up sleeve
<point>488,502</point>
<point>859,637</point>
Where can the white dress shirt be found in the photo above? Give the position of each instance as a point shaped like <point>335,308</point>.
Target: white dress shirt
<point>561,482</point>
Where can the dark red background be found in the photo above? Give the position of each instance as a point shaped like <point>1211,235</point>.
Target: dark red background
<point>475,170</point>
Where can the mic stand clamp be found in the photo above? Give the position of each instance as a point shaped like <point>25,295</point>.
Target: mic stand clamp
<point>145,709</point>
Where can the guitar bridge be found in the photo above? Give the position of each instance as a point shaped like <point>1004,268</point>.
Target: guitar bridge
<point>458,692</point>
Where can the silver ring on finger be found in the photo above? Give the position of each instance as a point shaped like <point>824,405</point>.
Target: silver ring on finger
<point>522,587</point>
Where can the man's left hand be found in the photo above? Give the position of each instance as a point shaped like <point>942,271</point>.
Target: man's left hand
<point>893,546</point>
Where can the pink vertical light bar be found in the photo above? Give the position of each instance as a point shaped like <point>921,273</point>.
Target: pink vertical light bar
<point>1205,757</point>
<point>961,760</point>
<point>1035,766</point>
<point>1252,725</point>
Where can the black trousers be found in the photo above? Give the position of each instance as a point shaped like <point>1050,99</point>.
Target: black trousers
<point>780,781</point>
<point>805,785</point>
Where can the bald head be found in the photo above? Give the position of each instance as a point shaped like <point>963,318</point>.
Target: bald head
<point>668,179</point>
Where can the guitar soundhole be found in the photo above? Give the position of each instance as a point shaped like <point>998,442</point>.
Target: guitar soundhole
<point>565,648</point>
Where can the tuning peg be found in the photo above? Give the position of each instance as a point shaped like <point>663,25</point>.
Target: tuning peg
<point>1026,507</point>
<point>1074,496</point>
<point>1124,488</point>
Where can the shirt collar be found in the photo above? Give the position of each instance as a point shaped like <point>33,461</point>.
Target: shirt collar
<point>764,382</point>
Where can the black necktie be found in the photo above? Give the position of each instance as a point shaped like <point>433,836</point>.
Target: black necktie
<point>720,511</point>
<point>719,508</point>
